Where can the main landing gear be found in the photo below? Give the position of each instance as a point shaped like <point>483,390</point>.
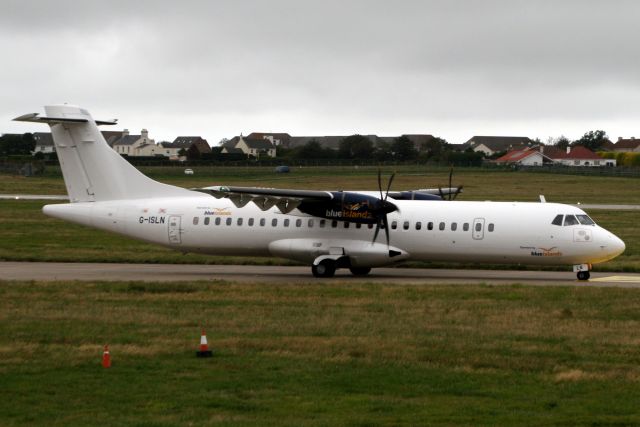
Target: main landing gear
<point>327,268</point>
<point>582,271</point>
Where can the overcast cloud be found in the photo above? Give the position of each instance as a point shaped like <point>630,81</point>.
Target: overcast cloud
<point>217,68</point>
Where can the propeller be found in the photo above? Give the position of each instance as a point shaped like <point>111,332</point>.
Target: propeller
<point>452,194</point>
<point>384,207</point>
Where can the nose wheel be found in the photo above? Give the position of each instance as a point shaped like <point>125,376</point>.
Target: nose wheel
<point>583,275</point>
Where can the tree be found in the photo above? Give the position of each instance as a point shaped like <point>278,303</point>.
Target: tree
<point>434,148</point>
<point>403,149</point>
<point>561,142</point>
<point>313,150</point>
<point>592,140</point>
<point>355,147</point>
<point>17,145</point>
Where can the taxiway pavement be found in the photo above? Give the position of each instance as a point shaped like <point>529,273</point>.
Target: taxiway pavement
<point>54,271</point>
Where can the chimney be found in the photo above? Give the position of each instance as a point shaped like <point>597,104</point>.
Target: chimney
<point>619,138</point>
<point>125,132</point>
<point>144,134</point>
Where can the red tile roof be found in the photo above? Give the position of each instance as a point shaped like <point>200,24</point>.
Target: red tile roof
<point>516,156</point>
<point>577,153</point>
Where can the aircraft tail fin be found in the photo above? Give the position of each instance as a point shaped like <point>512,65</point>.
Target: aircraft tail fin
<point>92,170</point>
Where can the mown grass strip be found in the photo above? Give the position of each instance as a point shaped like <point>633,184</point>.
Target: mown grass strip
<point>317,354</point>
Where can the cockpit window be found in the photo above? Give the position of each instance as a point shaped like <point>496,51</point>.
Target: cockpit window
<point>570,220</point>
<point>585,220</point>
<point>557,220</point>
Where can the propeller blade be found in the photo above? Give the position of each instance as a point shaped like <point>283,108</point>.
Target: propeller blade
<point>389,186</point>
<point>450,178</point>
<point>380,182</point>
<point>386,228</point>
<point>441,193</point>
<point>458,191</point>
<point>375,234</point>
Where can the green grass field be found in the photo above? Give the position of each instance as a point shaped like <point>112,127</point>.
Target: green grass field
<point>318,355</point>
<point>479,184</point>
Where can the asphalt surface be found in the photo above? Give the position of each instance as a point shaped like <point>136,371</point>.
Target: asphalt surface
<point>277,274</point>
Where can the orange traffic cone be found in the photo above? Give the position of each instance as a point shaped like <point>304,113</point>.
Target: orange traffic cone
<point>106,357</point>
<point>204,347</point>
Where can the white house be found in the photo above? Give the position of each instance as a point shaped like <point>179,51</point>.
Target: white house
<point>136,145</point>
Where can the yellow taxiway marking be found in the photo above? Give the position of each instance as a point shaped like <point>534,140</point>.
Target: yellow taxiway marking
<point>619,279</point>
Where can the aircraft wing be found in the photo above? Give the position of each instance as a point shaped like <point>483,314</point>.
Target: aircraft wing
<point>265,198</point>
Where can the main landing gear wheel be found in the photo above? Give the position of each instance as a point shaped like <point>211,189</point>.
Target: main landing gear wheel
<point>325,268</point>
<point>583,275</point>
<point>360,271</point>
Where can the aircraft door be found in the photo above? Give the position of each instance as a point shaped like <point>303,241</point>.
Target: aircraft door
<point>478,228</point>
<point>175,230</point>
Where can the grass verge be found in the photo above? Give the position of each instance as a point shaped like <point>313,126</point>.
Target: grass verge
<point>318,354</point>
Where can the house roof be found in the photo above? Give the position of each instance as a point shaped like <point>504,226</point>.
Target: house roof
<point>627,144</point>
<point>281,136</point>
<point>499,143</point>
<point>258,144</point>
<point>178,145</point>
<point>577,152</point>
<point>126,140</point>
<point>188,140</point>
<point>233,150</point>
<point>515,156</point>
<point>43,139</point>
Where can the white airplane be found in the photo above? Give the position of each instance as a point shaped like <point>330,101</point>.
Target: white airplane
<point>326,229</point>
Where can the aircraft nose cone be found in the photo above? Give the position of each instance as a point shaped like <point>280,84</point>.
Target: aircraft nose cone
<point>613,245</point>
<point>618,245</point>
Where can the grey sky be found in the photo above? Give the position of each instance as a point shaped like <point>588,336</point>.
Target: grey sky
<point>217,68</point>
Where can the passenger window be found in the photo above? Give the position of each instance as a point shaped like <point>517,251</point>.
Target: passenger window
<point>441,226</point>
<point>465,226</point>
<point>570,220</point>
<point>298,223</point>
<point>217,221</point>
<point>394,225</point>
<point>195,220</point>
<point>454,226</point>
<point>322,223</point>
<point>358,225</point>
<point>286,222</point>
<point>405,225</point>
<point>239,221</point>
<point>262,222</point>
<point>229,221</point>
<point>369,226</point>
<point>206,220</point>
<point>346,224</point>
<point>478,226</point>
<point>585,220</point>
<point>274,222</point>
<point>430,226</point>
<point>310,223</point>
<point>418,225</point>
<point>557,220</point>
<point>490,228</point>
<point>250,222</point>
<point>334,223</point>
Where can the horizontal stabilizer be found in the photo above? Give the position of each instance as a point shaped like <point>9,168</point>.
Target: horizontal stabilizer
<point>35,117</point>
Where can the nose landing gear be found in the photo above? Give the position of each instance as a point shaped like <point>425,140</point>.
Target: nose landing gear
<point>582,271</point>
<point>583,275</point>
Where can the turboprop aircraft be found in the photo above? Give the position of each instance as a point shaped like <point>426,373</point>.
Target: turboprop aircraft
<point>326,229</point>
